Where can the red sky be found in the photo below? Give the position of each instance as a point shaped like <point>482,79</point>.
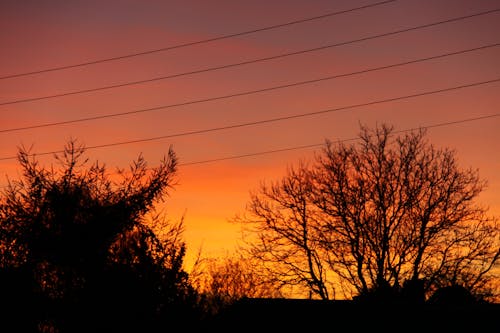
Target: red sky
<point>37,35</point>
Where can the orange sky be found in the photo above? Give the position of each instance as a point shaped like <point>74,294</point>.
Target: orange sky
<point>37,35</point>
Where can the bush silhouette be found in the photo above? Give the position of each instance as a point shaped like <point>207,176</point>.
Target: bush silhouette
<point>455,295</point>
<point>76,253</point>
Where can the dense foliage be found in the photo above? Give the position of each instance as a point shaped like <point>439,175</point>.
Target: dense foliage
<point>78,252</point>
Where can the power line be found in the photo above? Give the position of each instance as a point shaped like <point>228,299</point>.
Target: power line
<point>204,41</point>
<point>284,118</point>
<point>163,107</point>
<point>210,69</point>
<point>314,145</point>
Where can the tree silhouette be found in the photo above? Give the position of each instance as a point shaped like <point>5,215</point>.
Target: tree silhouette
<point>388,216</point>
<point>78,246</point>
<point>285,223</point>
<point>224,281</point>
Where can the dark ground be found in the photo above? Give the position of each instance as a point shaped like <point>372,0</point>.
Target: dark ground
<point>299,315</point>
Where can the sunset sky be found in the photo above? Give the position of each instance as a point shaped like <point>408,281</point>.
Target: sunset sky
<point>36,36</point>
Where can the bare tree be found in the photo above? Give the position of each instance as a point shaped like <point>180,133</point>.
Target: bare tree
<point>283,224</point>
<point>223,281</point>
<point>386,212</point>
<point>400,209</point>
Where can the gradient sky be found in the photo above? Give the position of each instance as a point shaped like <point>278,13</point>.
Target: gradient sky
<point>37,35</point>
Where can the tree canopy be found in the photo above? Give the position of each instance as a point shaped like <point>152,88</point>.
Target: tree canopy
<point>390,214</point>
<point>78,251</point>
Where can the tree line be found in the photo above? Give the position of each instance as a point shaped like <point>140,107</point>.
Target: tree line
<point>389,218</point>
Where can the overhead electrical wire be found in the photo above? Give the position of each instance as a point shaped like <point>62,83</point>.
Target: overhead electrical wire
<point>315,145</point>
<point>203,41</point>
<point>426,93</point>
<point>210,69</point>
<point>260,90</point>
<point>294,84</point>
<point>264,121</point>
